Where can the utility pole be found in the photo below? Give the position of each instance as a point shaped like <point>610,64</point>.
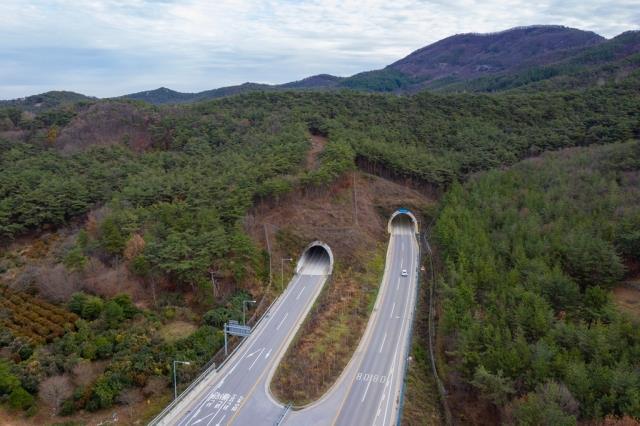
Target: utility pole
<point>225,340</point>
<point>355,200</point>
<point>213,285</point>
<point>244,310</point>
<point>175,383</point>
<point>266,237</point>
<point>288,259</point>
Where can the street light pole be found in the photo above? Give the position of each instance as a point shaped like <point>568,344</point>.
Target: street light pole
<point>213,285</point>
<point>175,383</point>
<point>288,259</point>
<point>244,310</point>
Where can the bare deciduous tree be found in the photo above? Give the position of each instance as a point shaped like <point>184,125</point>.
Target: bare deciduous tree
<point>155,385</point>
<point>84,373</point>
<point>130,397</point>
<point>56,283</point>
<point>54,390</point>
<point>134,247</point>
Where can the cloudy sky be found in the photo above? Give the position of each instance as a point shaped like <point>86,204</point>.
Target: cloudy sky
<point>112,47</point>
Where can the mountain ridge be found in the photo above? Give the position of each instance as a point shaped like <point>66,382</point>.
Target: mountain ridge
<point>515,58</point>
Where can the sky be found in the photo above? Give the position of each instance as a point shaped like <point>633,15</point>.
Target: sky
<point>109,48</point>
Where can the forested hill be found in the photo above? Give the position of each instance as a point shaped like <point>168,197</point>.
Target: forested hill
<point>531,58</point>
<point>531,255</point>
<point>164,193</point>
<point>46,101</point>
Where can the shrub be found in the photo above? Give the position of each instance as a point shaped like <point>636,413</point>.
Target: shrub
<point>20,399</point>
<point>92,308</point>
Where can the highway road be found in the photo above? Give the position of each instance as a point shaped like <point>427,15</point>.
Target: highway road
<point>237,393</point>
<point>366,393</point>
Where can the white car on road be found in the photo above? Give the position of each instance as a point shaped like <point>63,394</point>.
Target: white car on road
<point>404,273</point>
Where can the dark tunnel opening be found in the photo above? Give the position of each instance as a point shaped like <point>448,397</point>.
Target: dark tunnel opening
<point>317,259</point>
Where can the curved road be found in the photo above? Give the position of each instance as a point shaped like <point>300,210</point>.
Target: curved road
<point>368,390</point>
<point>237,392</point>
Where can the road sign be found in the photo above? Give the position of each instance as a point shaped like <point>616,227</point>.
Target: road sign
<point>238,329</point>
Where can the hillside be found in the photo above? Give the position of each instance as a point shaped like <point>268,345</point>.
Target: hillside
<point>116,215</point>
<point>530,333</point>
<point>469,55</point>
<point>454,63</point>
<point>537,57</point>
<point>45,101</point>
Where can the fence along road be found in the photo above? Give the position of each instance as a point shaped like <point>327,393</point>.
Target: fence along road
<point>237,393</point>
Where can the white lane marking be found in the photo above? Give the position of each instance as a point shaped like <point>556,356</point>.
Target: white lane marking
<point>365,391</point>
<point>392,309</point>
<point>221,420</point>
<point>270,315</point>
<point>268,353</point>
<point>253,353</point>
<point>201,419</point>
<point>383,340</point>
<point>254,361</point>
<point>284,318</point>
<point>397,362</point>
<point>300,294</point>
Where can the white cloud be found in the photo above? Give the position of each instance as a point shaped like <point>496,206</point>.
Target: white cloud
<point>111,47</point>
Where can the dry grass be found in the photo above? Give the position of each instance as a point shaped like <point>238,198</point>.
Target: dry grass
<point>176,330</point>
<point>331,333</point>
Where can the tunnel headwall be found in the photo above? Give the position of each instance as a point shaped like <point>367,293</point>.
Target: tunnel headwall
<point>316,259</point>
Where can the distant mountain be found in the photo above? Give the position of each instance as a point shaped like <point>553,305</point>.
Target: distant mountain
<point>470,55</point>
<point>447,65</point>
<point>168,96</point>
<point>542,57</point>
<point>161,96</point>
<point>606,62</point>
<point>46,101</point>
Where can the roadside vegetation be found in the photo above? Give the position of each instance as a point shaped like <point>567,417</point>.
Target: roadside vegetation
<point>531,256</point>
<point>101,198</point>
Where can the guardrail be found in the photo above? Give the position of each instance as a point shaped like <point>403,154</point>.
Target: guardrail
<point>209,368</point>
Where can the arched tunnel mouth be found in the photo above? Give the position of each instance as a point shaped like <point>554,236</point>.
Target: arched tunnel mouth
<point>403,222</point>
<point>316,259</point>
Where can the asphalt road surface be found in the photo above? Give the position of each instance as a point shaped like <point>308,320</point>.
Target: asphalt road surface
<point>237,393</point>
<point>367,392</point>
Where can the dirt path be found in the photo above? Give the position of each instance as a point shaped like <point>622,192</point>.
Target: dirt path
<point>317,146</point>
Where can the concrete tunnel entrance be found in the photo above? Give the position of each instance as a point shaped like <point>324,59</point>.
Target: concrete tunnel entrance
<point>316,259</point>
<point>402,221</point>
